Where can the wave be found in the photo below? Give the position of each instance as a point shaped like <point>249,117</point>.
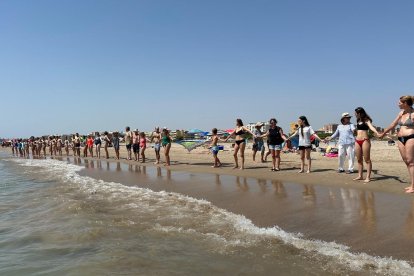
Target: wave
<point>177,213</point>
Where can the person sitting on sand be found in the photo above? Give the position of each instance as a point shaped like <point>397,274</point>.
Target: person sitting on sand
<point>405,120</point>
<point>363,143</point>
<point>239,133</point>
<point>304,132</point>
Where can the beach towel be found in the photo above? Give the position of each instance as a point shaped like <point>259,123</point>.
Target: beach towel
<point>191,144</point>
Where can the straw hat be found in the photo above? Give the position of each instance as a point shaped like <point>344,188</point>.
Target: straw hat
<point>259,124</point>
<point>345,115</point>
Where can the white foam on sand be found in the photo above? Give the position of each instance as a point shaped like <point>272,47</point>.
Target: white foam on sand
<point>182,214</point>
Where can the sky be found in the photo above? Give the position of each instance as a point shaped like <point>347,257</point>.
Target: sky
<point>80,66</point>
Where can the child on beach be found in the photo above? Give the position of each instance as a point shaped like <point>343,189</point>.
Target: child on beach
<point>142,145</point>
<point>215,148</point>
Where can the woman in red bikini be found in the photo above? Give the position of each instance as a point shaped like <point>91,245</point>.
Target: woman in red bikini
<point>406,143</point>
<point>363,143</point>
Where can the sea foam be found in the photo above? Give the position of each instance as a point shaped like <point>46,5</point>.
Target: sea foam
<point>240,231</point>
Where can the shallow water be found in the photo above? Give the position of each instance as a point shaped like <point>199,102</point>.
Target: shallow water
<point>109,218</point>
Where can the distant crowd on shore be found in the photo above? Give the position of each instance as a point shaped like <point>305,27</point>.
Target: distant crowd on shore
<point>353,141</point>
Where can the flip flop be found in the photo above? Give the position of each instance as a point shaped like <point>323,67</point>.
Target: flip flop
<point>410,191</point>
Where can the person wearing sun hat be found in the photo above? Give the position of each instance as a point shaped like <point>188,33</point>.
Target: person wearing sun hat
<point>258,144</point>
<point>346,142</point>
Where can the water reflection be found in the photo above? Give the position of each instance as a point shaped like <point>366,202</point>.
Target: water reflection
<point>409,222</point>
<point>350,208</point>
<point>218,180</point>
<point>262,185</point>
<point>242,186</point>
<point>367,210</point>
<point>279,189</point>
<point>309,194</point>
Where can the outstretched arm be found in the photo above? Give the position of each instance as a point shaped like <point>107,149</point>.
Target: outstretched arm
<point>293,135</point>
<point>248,131</point>
<point>392,125</point>
<point>282,134</point>
<point>372,128</point>
<point>228,137</point>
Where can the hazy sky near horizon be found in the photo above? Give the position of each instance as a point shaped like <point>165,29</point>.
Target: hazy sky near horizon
<point>78,66</point>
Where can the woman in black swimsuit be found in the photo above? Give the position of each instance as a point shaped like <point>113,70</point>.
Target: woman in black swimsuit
<point>406,144</point>
<point>239,133</point>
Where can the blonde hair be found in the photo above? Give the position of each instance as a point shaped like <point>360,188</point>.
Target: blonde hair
<point>407,99</point>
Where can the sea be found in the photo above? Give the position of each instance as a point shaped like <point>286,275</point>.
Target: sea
<point>59,217</point>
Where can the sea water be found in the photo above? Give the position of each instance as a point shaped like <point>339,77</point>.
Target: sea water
<point>56,221</point>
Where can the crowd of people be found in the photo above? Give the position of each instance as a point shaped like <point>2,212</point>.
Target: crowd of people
<point>353,141</point>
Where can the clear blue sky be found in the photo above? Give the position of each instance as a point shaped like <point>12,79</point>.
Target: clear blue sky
<point>69,66</point>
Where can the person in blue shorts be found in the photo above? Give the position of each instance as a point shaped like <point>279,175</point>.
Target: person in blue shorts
<point>275,139</point>
<point>215,148</point>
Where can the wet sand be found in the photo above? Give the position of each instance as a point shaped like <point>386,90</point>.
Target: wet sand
<point>377,223</point>
<point>376,218</point>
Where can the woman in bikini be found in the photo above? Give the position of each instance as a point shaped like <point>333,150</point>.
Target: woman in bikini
<point>405,120</point>
<point>239,133</point>
<point>363,143</point>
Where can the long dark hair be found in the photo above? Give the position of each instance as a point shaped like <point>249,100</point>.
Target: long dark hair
<point>362,115</point>
<point>239,122</point>
<point>305,122</point>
